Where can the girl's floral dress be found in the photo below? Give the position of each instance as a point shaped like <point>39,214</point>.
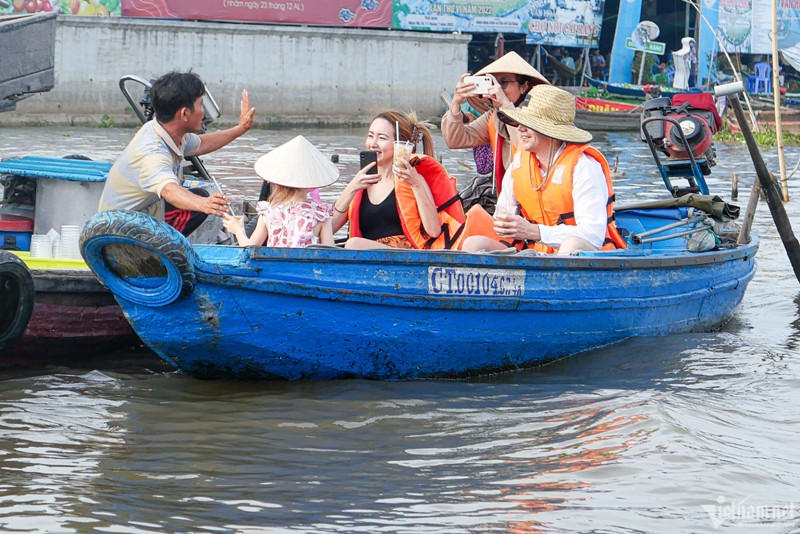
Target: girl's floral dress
<point>292,224</point>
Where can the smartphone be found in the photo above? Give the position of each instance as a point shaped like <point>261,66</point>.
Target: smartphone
<point>482,84</point>
<point>367,157</point>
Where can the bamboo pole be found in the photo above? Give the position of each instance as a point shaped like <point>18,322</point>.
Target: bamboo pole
<point>776,97</point>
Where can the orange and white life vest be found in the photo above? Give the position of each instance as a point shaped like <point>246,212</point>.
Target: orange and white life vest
<point>445,196</point>
<point>553,204</point>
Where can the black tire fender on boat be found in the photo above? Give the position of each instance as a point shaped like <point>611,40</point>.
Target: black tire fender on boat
<point>145,239</point>
<point>16,299</point>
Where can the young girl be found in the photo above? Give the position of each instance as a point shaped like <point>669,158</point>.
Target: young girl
<point>289,218</point>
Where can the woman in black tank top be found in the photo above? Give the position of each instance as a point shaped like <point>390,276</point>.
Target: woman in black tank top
<point>369,201</point>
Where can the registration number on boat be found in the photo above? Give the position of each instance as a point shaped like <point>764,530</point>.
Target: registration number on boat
<point>476,282</point>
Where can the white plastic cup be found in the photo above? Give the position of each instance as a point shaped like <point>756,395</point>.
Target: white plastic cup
<point>41,246</point>
<point>69,246</point>
<point>505,212</point>
<point>402,151</point>
<point>237,206</point>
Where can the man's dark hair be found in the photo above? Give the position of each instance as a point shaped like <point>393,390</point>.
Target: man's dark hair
<point>173,91</point>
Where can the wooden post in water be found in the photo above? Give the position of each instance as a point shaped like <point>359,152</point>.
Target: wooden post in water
<point>749,214</point>
<point>735,186</point>
<point>782,222</point>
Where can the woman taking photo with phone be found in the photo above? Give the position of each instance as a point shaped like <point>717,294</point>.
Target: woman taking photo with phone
<point>513,78</point>
<point>405,202</point>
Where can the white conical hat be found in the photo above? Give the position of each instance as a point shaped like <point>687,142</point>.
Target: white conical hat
<point>297,163</point>
<point>513,64</point>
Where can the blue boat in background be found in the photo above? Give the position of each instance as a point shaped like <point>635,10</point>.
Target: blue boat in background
<point>633,90</point>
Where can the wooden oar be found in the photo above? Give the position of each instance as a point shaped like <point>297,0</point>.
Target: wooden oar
<point>774,202</point>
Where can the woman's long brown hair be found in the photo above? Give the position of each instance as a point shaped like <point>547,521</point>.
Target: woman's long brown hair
<point>410,129</point>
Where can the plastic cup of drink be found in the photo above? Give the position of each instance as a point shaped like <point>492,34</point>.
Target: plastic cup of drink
<point>237,206</point>
<point>505,212</point>
<point>402,151</point>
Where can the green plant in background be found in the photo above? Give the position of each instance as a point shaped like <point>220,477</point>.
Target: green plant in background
<point>649,61</point>
<point>766,138</point>
<point>106,122</point>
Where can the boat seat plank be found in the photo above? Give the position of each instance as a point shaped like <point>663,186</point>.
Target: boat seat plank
<point>57,168</point>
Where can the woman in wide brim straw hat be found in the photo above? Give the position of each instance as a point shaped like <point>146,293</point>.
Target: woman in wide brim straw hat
<point>560,184</point>
<point>512,79</point>
<point>289,218</point>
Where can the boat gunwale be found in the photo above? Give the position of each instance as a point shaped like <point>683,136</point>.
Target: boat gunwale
<point>631,258</point>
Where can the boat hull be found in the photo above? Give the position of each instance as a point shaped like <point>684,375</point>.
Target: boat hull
<point>633,90</point>
<point>600,115</point>
<point>27,64</point>
<point>73,315</point>
<point>265,313</point>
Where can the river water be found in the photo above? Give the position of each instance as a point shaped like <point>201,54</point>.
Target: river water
<point>688,433</point>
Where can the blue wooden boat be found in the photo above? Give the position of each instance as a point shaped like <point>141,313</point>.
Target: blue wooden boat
<point>324,313</point>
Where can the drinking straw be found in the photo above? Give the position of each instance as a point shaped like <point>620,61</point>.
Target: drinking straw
<point>230,209</point>
<point>397,127</point>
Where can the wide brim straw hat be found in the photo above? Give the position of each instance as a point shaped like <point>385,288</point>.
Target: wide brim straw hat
<point>513,64</point>
<point>549,110</point>
<point>297,163</point>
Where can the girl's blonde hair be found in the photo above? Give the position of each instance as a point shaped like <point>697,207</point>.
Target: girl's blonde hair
<point>280,194</point>
<point>410,129</point>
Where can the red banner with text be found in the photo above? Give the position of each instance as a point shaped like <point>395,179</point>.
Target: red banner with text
<point>352,13</point>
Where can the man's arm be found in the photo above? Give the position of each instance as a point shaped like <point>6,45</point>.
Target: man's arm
<point>182,198</point>
<point>213,141</point>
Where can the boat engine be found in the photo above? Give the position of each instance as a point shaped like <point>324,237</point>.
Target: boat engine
<point>694,115</point>
<point>682,128</point>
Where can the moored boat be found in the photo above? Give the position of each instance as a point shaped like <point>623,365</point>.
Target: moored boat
<point>73,315</point>
<point>16,295</point>
<point>71,312</point>
<point>27,64</point>
<point>639,91</point>
<point>602,115</point>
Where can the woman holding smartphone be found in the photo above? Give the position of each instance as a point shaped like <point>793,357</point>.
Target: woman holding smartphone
<point>403,202</point>
<point>513,78</point>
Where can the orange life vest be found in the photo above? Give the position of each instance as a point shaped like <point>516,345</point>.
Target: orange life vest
<point>445,196</point>
<point>498,141</point>
<point>553,205</point>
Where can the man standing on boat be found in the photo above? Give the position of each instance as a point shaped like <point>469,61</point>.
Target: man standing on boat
<point>598,63</point>
<point>559,184</point>
<point>151,166</point>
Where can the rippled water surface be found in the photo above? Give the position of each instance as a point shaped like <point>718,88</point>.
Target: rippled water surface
<point>689,433</point>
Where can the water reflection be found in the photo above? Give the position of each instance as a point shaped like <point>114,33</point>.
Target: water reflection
<point>54,432</point>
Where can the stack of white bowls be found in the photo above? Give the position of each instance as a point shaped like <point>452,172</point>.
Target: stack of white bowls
<point>68,246</point>
<point>41,247</point>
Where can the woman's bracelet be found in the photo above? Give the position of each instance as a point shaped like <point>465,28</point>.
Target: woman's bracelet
<point>337,209</point>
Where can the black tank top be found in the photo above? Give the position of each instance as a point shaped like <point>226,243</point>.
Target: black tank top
<point>381,220</point>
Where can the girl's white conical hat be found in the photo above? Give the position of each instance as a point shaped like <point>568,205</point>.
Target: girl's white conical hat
<point>297,163</point>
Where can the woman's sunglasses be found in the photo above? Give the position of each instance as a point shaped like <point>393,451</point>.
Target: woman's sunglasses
<point>506,120</point>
